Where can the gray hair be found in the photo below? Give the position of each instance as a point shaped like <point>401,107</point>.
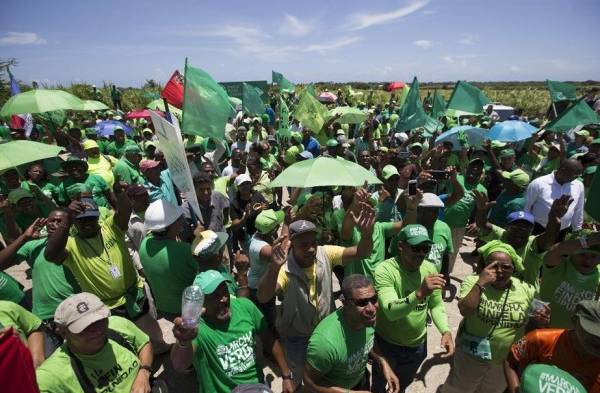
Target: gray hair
<point>354,281</point>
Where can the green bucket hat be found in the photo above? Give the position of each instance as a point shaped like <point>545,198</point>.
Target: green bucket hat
<point>414,234</point>
<point>540,378</point>
<point>268,220</point>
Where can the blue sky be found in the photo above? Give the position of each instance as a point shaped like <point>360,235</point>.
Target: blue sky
<point>128,41</point>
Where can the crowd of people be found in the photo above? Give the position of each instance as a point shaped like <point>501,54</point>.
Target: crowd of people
<point>334,287</point>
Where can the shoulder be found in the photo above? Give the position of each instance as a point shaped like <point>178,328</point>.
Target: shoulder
<point>55,374</point>
<point>385,268</point>
<point>524,288</point>
<point>129,331</point>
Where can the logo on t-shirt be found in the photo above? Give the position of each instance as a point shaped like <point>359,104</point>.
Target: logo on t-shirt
<point>238,355</point>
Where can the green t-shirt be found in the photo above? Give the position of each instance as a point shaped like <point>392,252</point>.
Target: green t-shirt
<point>442,244</point>
<point>505,204</point>
<point>24,322</point>
<point>94,182</point>
<point>163,258</point>
<point>290,154</point>
<point>532,258</point>
<point>366,266</point>
<point>401,317</point>
<point>10,289</point>
<point>113,369</point>
<point>102,264</point>
<point>510,324</point>
<point>51,283</point>
<point>225,355</point>
<point>457,215</point>
<point>126,172</point>
<point>338,352</point>
<point>563,286</point>
<point>117,150</point>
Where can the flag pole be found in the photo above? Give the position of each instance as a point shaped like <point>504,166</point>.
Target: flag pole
<point>184,88</point>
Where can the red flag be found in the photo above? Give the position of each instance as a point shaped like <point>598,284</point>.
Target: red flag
<point>173,91</point>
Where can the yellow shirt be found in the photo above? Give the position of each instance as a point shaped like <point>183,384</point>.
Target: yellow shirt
<point>103,166</point>
<point>102,265</point>
<point>334,256</point>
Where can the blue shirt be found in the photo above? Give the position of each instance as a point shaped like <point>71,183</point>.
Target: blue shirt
<point>313,146</point>
<point>165,191</point>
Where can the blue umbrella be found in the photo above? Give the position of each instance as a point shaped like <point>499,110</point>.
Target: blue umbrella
<point>107,128</point>
<point>511,131</point>
<point>475,136</point>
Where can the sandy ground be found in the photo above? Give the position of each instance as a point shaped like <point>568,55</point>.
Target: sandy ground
<point>432,373</point>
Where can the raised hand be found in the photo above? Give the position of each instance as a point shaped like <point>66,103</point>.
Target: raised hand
<point>481,201</point>
<point>560,206</point>
<point>430,284</point>
<point>33,232</point>
<point>366,218</point>
<point>241,262</point>
<point>182,334</point>
<point>280,249</point>
<point>412,201</point>
<point>488,275</point>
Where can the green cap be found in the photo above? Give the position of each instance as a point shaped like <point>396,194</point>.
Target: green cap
<point>389,171</point>
<point>17,194</point>
<point>519,177</point>
<point>209,280</point>
<point>539,378</point>
<point>74,160</point>
<point>132,149</point>
<point>507,153</point>
<point>268,220</point>
<point>414,234</point>
<point>587,314</point>
<point>584,133</point>
<point>332,143</point>
<point>498,144</point>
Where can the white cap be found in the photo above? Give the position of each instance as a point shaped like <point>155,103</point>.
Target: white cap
<point>431,200</point>
<point>160,214</point>
<point>243,178</point>
<point>401,136</point>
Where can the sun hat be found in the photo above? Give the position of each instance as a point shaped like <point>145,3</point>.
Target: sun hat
<point>160,214</point>
<point>79,311</point>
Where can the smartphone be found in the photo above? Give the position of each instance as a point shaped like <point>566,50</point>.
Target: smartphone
<point>439,175</point>
<point>412,187</point>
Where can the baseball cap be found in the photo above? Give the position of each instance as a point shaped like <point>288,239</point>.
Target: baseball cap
<point>540,378</point>
<point>414,234</point>
<point>389,171</point>
<point>257,119</point>
<point>520,215</point>
<point>241,179</point>
<point>332,143</point>
<point>587,312</point>
<point>416,144</point>
<point>145,130</point>
<point>506,153</point>
<point>73,160</point>
<point>132,149</point>
<point>91,208</point>
<point>268,220</point>
<point>90,144</point>
<point>209,280</point>
<point>519,177</point>
<point>300,227</point>
<point>17,194</point>
<point>148,164</point>
<point>79,311</point>
<point>160,214</point>
<point>584,133</point>
<point>209,243</point>
<point>271,138</point>
<point>340,132</point>
<point>498,144</point>
<point>431,200</point>
<point>477,160</point>
<point>306,155</point>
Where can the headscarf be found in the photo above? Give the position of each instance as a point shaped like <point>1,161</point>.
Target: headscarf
<point>499,246</point>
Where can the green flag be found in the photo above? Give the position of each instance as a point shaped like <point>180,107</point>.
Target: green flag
<point>579,114</point>
<point>439,106</point>
<point>310,88</point>
<point>206,106</point>
<point>310,112</point>
<point>284,120</point>
<point>412,114</point>
<point>284,84</point>
<point>467,98</point>
<point>251,101</point>
<point>561,91</point>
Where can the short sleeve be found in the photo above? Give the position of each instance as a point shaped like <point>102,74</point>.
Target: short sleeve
<point>523,351</point>
<point>467,284</point>
<point>282,280</point>
<point>495,234</point>
<point>387,228</point>
<point>257,317</point>
<point>24,252</point>
<point>334,254</point>
<point>319,355</point>
<point>129,331</point>
<point>100,182</point>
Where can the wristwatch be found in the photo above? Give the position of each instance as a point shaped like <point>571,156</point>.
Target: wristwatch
<point>289,376</point>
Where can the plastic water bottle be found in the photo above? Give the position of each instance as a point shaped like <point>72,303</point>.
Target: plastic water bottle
<point>191,306</point>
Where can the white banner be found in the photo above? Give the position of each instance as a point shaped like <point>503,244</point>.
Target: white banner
<point>170,143</point>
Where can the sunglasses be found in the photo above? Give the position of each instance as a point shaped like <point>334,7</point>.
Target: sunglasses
<point>424,249</point>
<point>364,302</point>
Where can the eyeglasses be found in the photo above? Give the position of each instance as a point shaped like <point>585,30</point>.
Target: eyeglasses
<point>363,302</point>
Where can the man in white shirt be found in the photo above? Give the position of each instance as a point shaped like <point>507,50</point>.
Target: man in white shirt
<point>542,191</point>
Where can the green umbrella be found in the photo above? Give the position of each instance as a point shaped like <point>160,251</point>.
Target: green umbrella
<point>159,104</point>
<point>324,171</point>
<point>41,100</point>
<point>348,115</point>
<point>93,105</point>
<point>15,153</point>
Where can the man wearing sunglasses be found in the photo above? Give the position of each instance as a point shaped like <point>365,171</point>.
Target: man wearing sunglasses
<point>408,288</point>
<point>341,343</point>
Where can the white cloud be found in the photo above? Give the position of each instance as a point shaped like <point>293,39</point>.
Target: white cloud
<point>467,39</point>
<point>458,60</point>
<point>339,43</point>
<point>423,44</point>
<point>14,38</point>
<point>514,68</point>
<point>294,27</point>
<point>361,21</point>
